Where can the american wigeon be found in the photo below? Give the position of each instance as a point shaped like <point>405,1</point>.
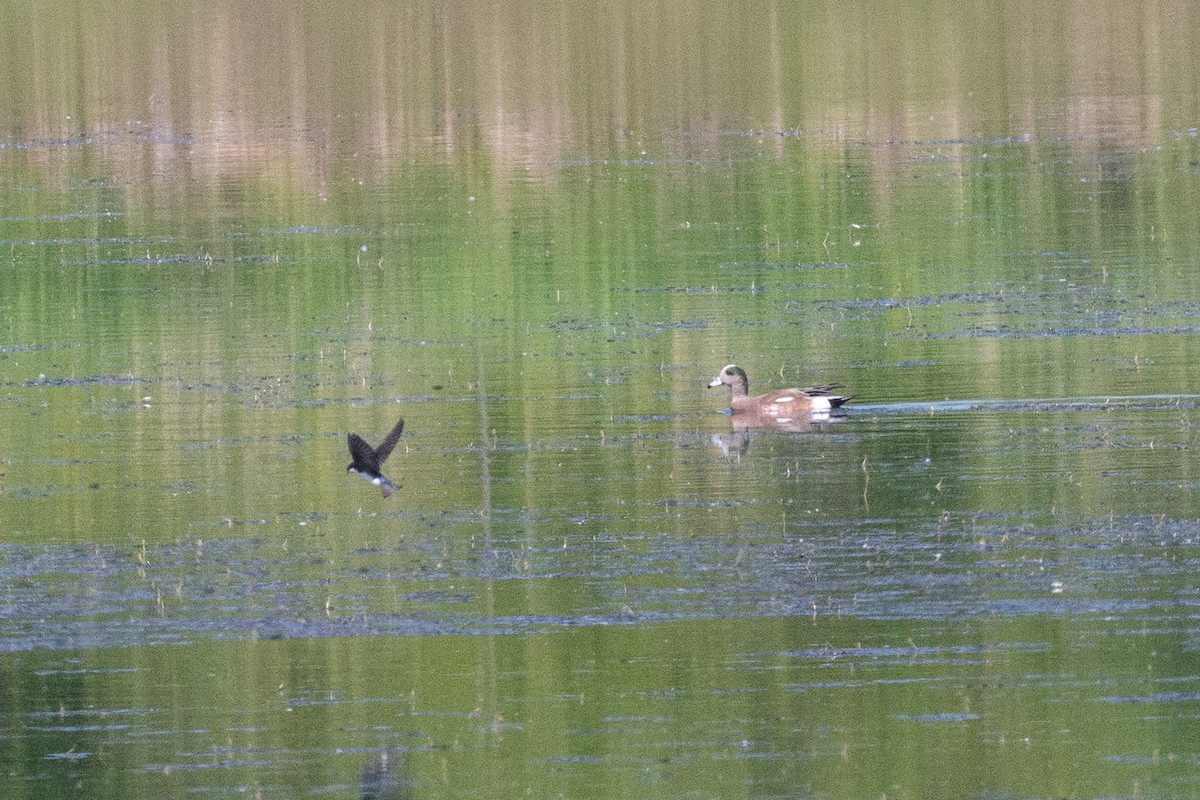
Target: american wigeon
<point>779,406</point>
<point>367,461</point>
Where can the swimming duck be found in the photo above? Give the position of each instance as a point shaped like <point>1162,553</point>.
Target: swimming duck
<point>779,406</point>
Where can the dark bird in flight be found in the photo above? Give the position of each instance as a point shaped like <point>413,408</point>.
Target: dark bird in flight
<point>368,460</point>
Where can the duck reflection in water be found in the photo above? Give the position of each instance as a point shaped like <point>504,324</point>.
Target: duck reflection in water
<point>385,778</point>
<point>737,441</point>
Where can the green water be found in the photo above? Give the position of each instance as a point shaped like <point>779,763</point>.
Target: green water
<point>231,236</point>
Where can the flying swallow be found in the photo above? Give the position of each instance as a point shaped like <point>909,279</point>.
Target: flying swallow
<point>367,460</point>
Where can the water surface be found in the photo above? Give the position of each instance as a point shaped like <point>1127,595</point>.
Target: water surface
<point>536,235</point>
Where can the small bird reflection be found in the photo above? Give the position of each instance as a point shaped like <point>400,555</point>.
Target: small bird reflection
<point>385,777</point>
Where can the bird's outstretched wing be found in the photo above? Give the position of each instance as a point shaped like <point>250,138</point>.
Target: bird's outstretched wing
<point>361,453</point>
<point>389,444</point>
